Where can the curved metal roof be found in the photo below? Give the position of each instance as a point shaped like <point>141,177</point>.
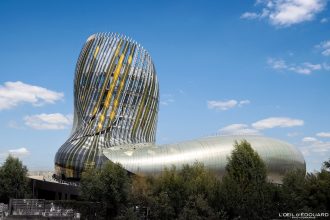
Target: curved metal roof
<point>213,152</point>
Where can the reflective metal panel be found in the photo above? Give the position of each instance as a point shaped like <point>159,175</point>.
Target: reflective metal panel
<point>213,152</point>
<point>115,100</point>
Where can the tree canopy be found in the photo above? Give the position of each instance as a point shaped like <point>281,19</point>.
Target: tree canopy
<point>244,189</point>
<point>194,192</point>
<point>109,185</point>
<point>13,180</point>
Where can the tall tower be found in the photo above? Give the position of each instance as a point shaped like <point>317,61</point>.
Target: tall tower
<point>116,98</point>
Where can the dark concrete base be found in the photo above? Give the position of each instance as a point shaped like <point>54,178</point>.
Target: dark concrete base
<point>43,189</point>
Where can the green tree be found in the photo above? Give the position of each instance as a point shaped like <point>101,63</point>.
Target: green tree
<point>318,191</point>
<point>326,165</point>
<point>309,192</point>
<point>13,180</point>
<point>185,193</point>
<point>167,194</point>
<point>110,186</point>
<point>91,185</point>
<point>294,192</point>
<point>244,189</point>
<point>197,207</point>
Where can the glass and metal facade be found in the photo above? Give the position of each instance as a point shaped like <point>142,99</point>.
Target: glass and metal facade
<point>115,102</point>
<point>116,98</point>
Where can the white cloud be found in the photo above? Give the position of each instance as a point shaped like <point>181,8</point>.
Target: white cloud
<point>273,122</point>
<point>243,102</point>
<point>312,66</point>
<point>166,101</point>
<point>305,68</point>
<point>277,64</point>
<point>314,150</point>
<point>54,121</point>
<point>254,128</point>
<point>222,105</point>
<point>250,15</point>
<point>225,105</point>
<point>238,129</point>
<point>314,146</point>
<point>323,134</point>
<point>309,139</point>
<point>20,152</point>
<point>15,93</point>
<point>325,47</point>
<point>285,13</point>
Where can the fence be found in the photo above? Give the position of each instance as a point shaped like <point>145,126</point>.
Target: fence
<point>44,208</point>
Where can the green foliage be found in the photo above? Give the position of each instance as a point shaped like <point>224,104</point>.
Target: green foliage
<point>141,193</point>
<point>13,180</point>
<point>178,194</point>
<point>244,189</point>
<point>326,164</point>
<point>197,207</point>
<point>128,214</point>
<point>109,185</point>
<point>91,186</point>
<point>318,191</point>
<point>306,193</point>
<point>245,166</point>
<point>294,192</point>
<point>194,192</point>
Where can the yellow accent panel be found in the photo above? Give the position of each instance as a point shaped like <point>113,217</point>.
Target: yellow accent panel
<point>99,126</point>
<point>112,115</point>
<point>121,86</point>
<point>90,78</point>
<point>141,105</point>
<point>130,59</point>
<point>113,83</point>
<point>148,105</point>
<point>96,51</point>
<point>107,78</point>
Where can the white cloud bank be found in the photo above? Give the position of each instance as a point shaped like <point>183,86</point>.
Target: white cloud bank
<point>166,101</point>
<point>20,152</point>
<point>323,134</point>
<point>309,139</point>
<point>273,122</point>
<point>305,68</point>
<point>15,93</point>
<point>238,129</point>
<point>225,105</point>
<point>54,121</point>
<point>284,13</point>
<point>311,145</point>
<point>256,127</point>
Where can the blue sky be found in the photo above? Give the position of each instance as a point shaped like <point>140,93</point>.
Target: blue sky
<point>242,67</point>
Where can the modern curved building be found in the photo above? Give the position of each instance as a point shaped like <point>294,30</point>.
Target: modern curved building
<point>116,100</point>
